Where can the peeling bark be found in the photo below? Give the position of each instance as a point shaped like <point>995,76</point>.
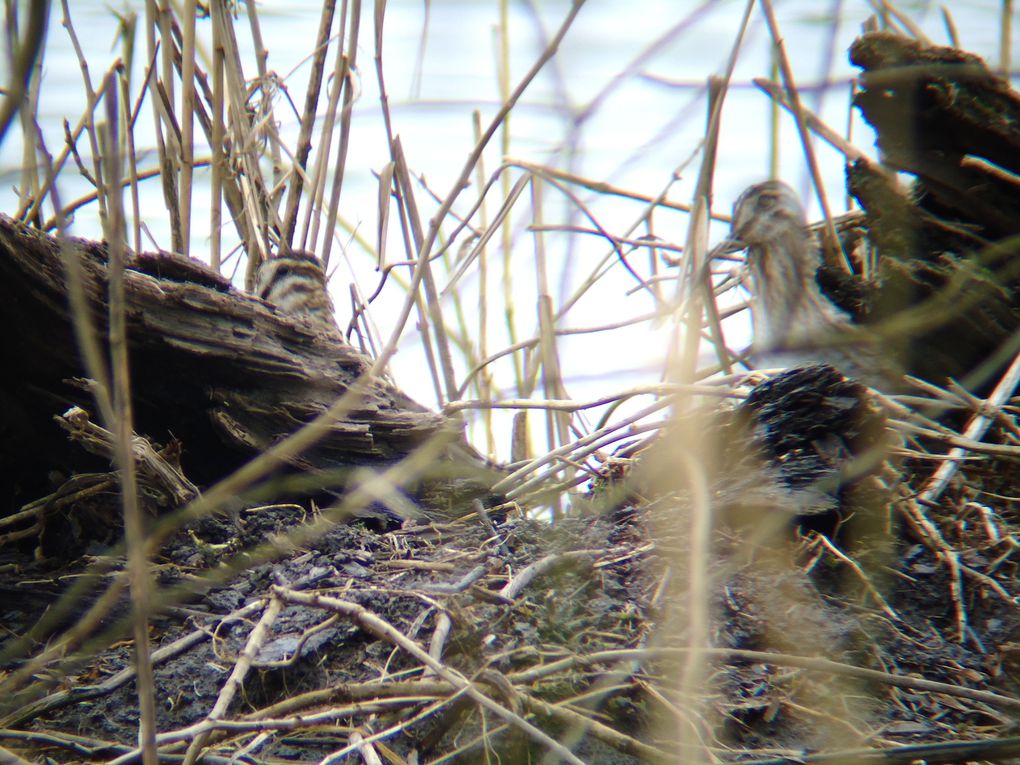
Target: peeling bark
<point>214,367</point>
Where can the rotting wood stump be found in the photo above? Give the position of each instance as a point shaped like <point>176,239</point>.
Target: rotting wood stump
<point>214,368</point>
<point>949,279</point>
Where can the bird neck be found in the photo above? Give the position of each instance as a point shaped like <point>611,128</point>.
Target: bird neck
<point>789,306</point>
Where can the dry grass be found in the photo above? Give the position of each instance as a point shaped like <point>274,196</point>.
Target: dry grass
<point>211,107</point>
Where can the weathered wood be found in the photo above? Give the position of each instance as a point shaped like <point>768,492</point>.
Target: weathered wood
<point>935,110</point>
<point>216,368</point>
<point>949,276</point>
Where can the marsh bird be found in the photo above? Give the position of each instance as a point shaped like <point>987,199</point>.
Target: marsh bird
<point>794,322</point>
<point>296,284</point>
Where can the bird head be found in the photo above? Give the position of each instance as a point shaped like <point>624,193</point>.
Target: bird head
<point>297,266</point>
<point>296,284</point>
<point>765,211</point>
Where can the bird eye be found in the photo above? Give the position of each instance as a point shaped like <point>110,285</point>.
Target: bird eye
<point>767,202</point>
<point>282,271</point>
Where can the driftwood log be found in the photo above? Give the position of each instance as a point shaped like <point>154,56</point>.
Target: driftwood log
<point>949,278</point>
<point>218,370</point>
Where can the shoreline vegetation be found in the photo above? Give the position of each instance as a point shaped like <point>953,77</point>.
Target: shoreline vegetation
<point>229,537</point>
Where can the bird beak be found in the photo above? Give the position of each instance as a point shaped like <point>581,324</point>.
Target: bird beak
<point>726,247</point>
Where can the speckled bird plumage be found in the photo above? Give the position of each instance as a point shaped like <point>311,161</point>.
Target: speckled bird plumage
<point>794,322</point>
<point>296,284</point>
